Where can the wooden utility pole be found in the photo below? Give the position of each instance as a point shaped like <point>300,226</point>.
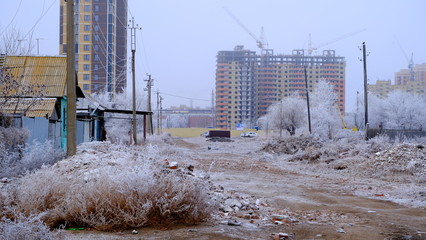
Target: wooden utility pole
<point>148,88</point>
<point>133,46</point>
<point>364,59</point>
<point>161,114</point>
<point>158,112</point>
<point>70,115</point>
<point>213,110</point>
<point>307,101</point>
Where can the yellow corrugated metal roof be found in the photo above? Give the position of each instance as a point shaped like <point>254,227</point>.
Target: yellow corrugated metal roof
<point>49,71</point>
<point>29,107</point>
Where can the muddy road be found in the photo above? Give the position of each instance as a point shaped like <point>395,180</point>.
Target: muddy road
<point>315,205</point>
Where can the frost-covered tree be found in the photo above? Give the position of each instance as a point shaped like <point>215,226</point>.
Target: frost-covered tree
<point>13,42</point>
<point>176,121</point>
<point>400,110</point>
<point>325,117</point>
<point>288,114</point>
<point>119,126</point>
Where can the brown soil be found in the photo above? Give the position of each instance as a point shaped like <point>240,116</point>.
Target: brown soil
<point>324,206</point>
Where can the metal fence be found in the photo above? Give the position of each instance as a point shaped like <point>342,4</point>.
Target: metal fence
<point>395,133</point>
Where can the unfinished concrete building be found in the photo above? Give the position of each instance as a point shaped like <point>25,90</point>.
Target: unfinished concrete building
<point>248,83</point>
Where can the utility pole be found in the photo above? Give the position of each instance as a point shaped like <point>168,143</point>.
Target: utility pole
<point>307,100</point>
<point>213,110</point>
<point>149,85</point>
<point>281,114</point>
<point>158,112</point>
<point>364,59</point>
<point>133,46</point>
<point>38,45</point>
<point>161,114</point>
<point>71,117</point>
<point>19,46</point>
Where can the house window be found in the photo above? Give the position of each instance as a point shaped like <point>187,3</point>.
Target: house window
<point>96,67</point>
<point>96,18</point>
<point>96,57</point>
<point>87,8</point>
<point>96,27</point>
<point>86,67</point>
<point>85,86</point>
<point>86,37</point>
<point>96,77</point>
<point>86,57</point>
<point>86,27</point>
<point>85,76</point>
<point>96,7</point>
<point>86,18</point>
<point>86,47</point>
<point>95,87</point>
<point>96,47</point>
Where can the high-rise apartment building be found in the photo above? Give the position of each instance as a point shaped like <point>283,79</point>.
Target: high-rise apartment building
<point>406,80</point>
<point>101,43</point>
<point>248,83</point>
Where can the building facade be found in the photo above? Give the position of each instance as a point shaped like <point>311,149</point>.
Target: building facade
<point>406,80</point>
<point>101,43</point>
<point>248,83</point>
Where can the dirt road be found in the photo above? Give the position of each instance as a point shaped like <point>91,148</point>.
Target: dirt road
<point>319,206</point>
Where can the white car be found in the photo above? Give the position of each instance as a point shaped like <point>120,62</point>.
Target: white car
<point>204,134</point>
<point>249,134</point>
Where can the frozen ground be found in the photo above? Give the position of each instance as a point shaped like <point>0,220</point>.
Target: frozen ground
<point>339,190</point>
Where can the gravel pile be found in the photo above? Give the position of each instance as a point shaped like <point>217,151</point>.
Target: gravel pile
<point>408,159</point>
<point>292,145</point>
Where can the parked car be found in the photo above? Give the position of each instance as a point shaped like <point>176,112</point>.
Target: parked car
<point>249,134</point>
<point>204,134</point>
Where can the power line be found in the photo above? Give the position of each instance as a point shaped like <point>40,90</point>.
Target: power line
<point>14,16</point>
<point>196,99</point>
<point>144,53</point>
<point>39,19</point>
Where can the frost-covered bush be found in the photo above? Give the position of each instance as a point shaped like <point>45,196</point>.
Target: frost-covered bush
<point>32,157</point>
<point>38,154</point>
<point>111,187</point>
<point>12,141</point>
<point>28,228</point>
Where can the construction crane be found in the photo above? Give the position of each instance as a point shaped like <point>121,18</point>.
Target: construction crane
<point>260,41</point>
<point>311,48</point>
<point>409,60</point>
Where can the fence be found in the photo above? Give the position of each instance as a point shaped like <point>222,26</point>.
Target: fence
<point>395,133</point>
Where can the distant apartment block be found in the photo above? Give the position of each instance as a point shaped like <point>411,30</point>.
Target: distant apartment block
<point>248,83</point>
<point>101,43</point>
<point>406,80</point>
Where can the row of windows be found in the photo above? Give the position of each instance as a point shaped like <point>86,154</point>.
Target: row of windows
<point>86,77</point>
<point>86,18</point>
<point>86,37</point>
<point>87,27</point>
<point>86,8</point>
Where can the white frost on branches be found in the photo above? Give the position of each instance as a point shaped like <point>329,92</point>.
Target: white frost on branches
<point>324,112</point>
<point>400,110</point>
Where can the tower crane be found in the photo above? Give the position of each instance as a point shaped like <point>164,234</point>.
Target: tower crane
<point>314,48</point>
<point>409,60</point>
<point>260,41</point>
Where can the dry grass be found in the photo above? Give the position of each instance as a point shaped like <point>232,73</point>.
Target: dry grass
<point>119,188</point>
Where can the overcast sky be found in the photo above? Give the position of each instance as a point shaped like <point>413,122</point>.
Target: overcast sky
<point>179,40</point>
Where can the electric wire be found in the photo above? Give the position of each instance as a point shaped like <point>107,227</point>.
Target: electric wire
<point>31,31</point>
<point>13,19</point>
<point>196,99</point>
